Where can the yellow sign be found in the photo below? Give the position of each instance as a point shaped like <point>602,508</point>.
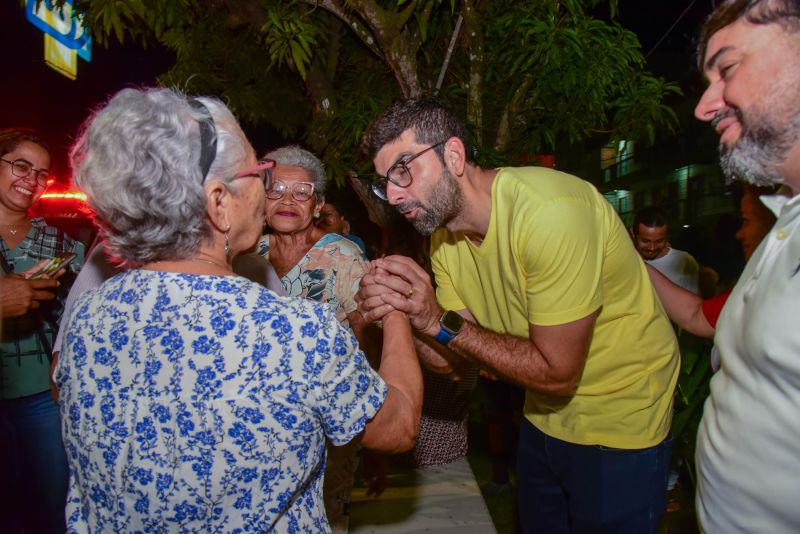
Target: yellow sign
<point>65,37</point>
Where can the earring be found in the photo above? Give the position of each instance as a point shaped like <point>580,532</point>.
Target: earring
<point>316,214</point>
<point>227,244</point>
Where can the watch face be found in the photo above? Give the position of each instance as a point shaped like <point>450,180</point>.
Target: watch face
<point>452,321</point>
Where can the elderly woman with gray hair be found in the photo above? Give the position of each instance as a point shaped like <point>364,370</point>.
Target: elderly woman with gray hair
<point>318,266</point>
<point>195,400</point>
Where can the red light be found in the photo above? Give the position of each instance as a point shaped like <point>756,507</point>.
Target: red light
<point>69,195</point>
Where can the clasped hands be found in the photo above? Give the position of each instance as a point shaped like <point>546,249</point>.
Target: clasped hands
<point>399,283</point>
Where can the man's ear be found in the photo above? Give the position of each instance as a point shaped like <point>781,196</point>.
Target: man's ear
<point>218,199</point>
<point>455,156</point>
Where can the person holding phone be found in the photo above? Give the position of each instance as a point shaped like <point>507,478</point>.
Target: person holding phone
<point>19,294</point>
<point>33,465</point>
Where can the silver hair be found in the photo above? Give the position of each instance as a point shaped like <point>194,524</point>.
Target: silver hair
<point>295,156</point>
<point>138,160</point>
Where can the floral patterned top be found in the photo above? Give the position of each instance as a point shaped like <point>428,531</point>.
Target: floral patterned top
<point>196,403</point>
<point>329,272</point>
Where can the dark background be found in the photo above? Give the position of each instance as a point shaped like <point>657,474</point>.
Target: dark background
<point>34,95</point>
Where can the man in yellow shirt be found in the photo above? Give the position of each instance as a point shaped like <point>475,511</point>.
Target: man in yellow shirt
<point>538,282</point>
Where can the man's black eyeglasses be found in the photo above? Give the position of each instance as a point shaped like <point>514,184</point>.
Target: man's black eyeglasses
<point>399,174</point>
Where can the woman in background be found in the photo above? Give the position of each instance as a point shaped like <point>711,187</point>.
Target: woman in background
<point>195,400</point>
<point>690,311</point>
<point>33,468</point>
<point>319,266</point>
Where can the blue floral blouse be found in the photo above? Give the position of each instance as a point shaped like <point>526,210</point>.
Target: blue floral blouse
<point>196,403</point>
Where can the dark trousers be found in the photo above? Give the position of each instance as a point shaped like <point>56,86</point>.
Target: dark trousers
<point>564,487</point>
<point>33,466</point>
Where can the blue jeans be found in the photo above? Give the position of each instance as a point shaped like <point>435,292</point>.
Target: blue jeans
<point>33,466</point>
<point>564,487</point>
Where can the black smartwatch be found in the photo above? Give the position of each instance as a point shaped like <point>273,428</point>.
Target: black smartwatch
<point>450,324</point>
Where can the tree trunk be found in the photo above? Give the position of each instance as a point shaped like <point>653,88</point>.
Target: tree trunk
<point>473,36</point>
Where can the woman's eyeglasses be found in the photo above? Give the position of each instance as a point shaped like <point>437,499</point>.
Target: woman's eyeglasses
<point>23,168</point>
<point>263,170</point>
<point>301,191</point>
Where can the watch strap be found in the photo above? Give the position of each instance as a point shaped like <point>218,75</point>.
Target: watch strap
<point>444,336</point>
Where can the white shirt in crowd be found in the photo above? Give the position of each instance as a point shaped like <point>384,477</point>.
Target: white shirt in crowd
<point>680,267</point>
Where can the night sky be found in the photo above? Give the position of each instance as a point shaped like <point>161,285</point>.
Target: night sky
<point>34,95</point>
<point>671,51</point>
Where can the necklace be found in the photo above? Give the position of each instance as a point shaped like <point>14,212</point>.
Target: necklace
<point>201,260</point>
<point>195,260</point>
<point>13,229</point>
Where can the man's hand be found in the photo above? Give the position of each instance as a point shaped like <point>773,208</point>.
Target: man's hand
<point>369,298</point>
<point>399,283</point>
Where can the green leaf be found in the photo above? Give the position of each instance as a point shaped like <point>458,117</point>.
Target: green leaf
<point>299,58</point>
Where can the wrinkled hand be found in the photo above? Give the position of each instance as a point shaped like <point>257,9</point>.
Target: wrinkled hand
<point>18,296</point>
<point>398,283</point>
<point>369,298</point>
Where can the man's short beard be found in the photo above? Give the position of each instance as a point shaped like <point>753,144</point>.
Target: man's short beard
<point>758,155</point>
<point>767,138</point>
<point>444,204</point>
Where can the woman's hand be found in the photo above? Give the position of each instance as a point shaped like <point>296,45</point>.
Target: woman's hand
<point>18,296</point>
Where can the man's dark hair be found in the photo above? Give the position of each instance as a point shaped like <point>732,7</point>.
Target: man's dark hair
<point>650,216</point>
<point>431,121</point>
<point>786,13</point>
<point>11,138</point>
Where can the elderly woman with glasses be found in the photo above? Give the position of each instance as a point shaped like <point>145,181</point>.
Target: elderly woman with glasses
<point>195,400</point>
<point>320,266</point>
<point>33,467</point>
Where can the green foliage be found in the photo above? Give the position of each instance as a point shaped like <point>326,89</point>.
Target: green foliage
<point>342,131</point>
<point>690,396</point>
<point>572,74</point>
<point>289,39</point>
<point>549,70</point>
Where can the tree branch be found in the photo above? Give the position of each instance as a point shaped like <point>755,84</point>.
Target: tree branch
<point>364,33</point>
<point>511,109</point>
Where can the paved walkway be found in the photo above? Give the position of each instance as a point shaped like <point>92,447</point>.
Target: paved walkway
<point>444,499</point>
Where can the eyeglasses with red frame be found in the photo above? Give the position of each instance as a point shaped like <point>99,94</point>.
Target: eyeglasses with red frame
<point>263,170</point>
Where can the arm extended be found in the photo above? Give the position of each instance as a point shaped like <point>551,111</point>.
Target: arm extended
<point>549,360</point>
<point>396,425</point>
<point>683,307</point>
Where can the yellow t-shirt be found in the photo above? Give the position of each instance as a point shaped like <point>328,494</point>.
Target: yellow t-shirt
<point>555,252</point>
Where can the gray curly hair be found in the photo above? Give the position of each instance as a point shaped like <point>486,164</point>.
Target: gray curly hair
<point>295,156</point>
<point>138,158</point>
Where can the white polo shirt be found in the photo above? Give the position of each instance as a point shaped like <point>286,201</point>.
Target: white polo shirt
<point>748,444</point>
